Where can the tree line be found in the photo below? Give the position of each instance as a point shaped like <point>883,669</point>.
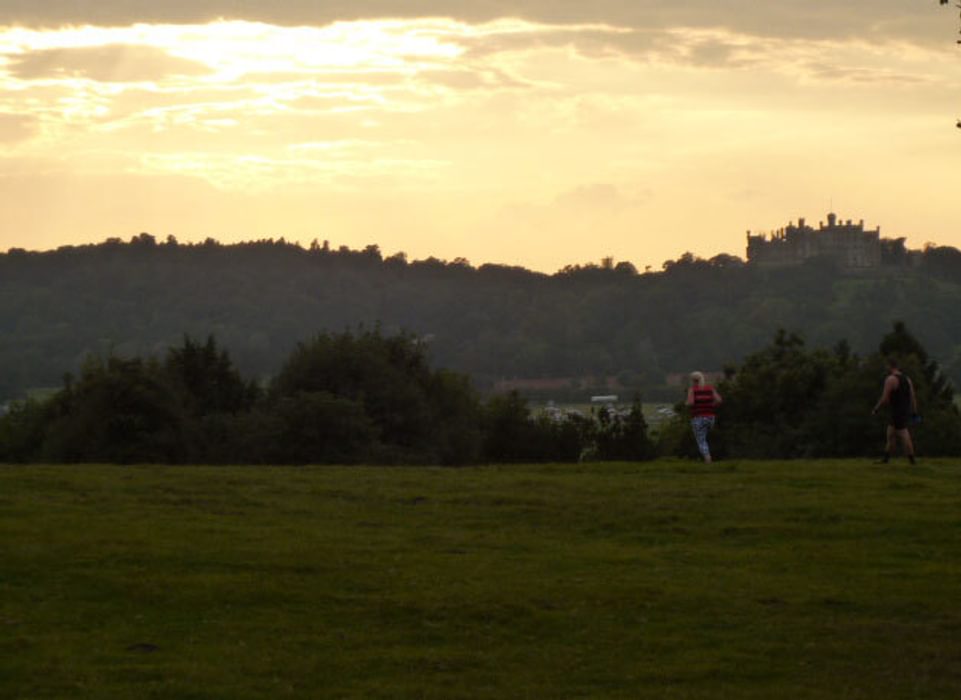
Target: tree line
<point>364,396</point>
<point>791,401</point>
<point>490,322</point>
<point>348,398</point>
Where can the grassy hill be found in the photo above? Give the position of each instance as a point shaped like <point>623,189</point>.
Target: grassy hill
<point>822,579</point>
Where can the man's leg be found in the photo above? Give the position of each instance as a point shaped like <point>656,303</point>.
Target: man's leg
<point>889,444</point>
<point>907,446</point>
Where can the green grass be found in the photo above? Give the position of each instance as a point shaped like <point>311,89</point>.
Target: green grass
<point>827,579</point>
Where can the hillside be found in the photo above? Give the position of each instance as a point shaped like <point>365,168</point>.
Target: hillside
<point>493,322</point>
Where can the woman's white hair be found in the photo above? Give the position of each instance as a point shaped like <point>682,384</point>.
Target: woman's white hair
<point>697,378</point>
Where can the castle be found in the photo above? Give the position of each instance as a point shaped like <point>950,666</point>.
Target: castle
<point>847,244</point>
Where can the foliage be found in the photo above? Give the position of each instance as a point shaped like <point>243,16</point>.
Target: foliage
<point>416,414</point>
<point>363,396</point>
<point>206,376</point>
<point>126,410</point>
<point>788,401</point>
<point>22,430</point>
<point>513,434</point>
<point>623,437</point>
<point>489,322</point>
<point>343,398</point>
<point>121,411</point>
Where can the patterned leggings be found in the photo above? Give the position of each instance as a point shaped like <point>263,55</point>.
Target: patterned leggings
<point>702,425</point>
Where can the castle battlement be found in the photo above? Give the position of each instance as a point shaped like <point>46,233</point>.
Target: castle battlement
<point>849,244</point>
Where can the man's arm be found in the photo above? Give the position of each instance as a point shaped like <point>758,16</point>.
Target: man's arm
<point>717,398</point>
<point>890,384</point>
<point>914,397</point>
<point>690,396</point>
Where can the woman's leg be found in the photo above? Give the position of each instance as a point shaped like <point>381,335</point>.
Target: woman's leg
<point>702,425</point>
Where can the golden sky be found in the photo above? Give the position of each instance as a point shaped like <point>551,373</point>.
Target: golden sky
<point>531,133</point>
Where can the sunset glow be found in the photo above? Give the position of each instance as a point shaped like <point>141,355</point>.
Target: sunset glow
<point>521,141</point>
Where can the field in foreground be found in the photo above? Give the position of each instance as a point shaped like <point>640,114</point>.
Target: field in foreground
<point>827,579</point>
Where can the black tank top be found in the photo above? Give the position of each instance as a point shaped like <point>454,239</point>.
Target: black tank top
<point>901,397</point>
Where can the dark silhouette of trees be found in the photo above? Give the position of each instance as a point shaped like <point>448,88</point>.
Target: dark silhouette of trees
<point>367,397</point>
<point>787,400</point>
<point>623,437</point>
<point>493,322</point>
<point>120,411</point>
<point>513,434</point>
<point>206,376</point>
<point>416,413</point>
<point>354,397</point>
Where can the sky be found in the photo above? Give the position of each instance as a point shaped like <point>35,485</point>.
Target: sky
<point>538,133</point>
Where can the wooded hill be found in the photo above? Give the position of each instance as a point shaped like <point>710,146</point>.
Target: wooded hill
<point>492,322</point>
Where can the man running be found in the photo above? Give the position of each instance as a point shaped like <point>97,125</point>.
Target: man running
<point>898,394</point>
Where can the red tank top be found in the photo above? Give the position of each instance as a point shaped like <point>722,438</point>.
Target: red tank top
<point>703,401</point>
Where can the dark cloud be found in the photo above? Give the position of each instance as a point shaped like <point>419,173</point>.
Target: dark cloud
<point>115,63</point>
<point>864,76</point>
<point>854,18</point>
<point>717,53</point>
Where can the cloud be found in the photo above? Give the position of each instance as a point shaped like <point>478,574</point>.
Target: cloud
<point>584,203</point>
<point>113,63</point>
<point>15,128</point>
<point>814,20</point>
<point>345,166</point>
<point>466,79</point>
<point>597,196</point>
<point>461,113</point>
<point>820,70</point>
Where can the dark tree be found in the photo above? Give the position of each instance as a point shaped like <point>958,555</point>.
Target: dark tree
<point>119,411</point>
<point>419,414</point>
<point>207,377</point>
<point>790,401</point>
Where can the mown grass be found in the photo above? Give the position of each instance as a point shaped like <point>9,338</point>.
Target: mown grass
<point>826,579</point>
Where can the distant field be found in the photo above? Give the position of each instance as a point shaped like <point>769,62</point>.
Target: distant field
<point>828,579</point>
<point>654,413</point>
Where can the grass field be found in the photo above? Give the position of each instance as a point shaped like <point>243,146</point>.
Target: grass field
<point>828,579</point>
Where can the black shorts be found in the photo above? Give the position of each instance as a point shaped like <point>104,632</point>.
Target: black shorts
<point>900,421</point>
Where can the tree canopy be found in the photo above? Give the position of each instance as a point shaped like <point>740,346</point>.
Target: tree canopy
<point>788,400</point>
<point>491,322</point>
<point>366,397</point>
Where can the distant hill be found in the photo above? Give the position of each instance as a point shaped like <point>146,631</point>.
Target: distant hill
<point>493,322</point>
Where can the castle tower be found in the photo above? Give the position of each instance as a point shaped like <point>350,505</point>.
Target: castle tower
<point>849,245</point>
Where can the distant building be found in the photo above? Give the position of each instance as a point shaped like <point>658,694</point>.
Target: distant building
<point>848,244</point>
